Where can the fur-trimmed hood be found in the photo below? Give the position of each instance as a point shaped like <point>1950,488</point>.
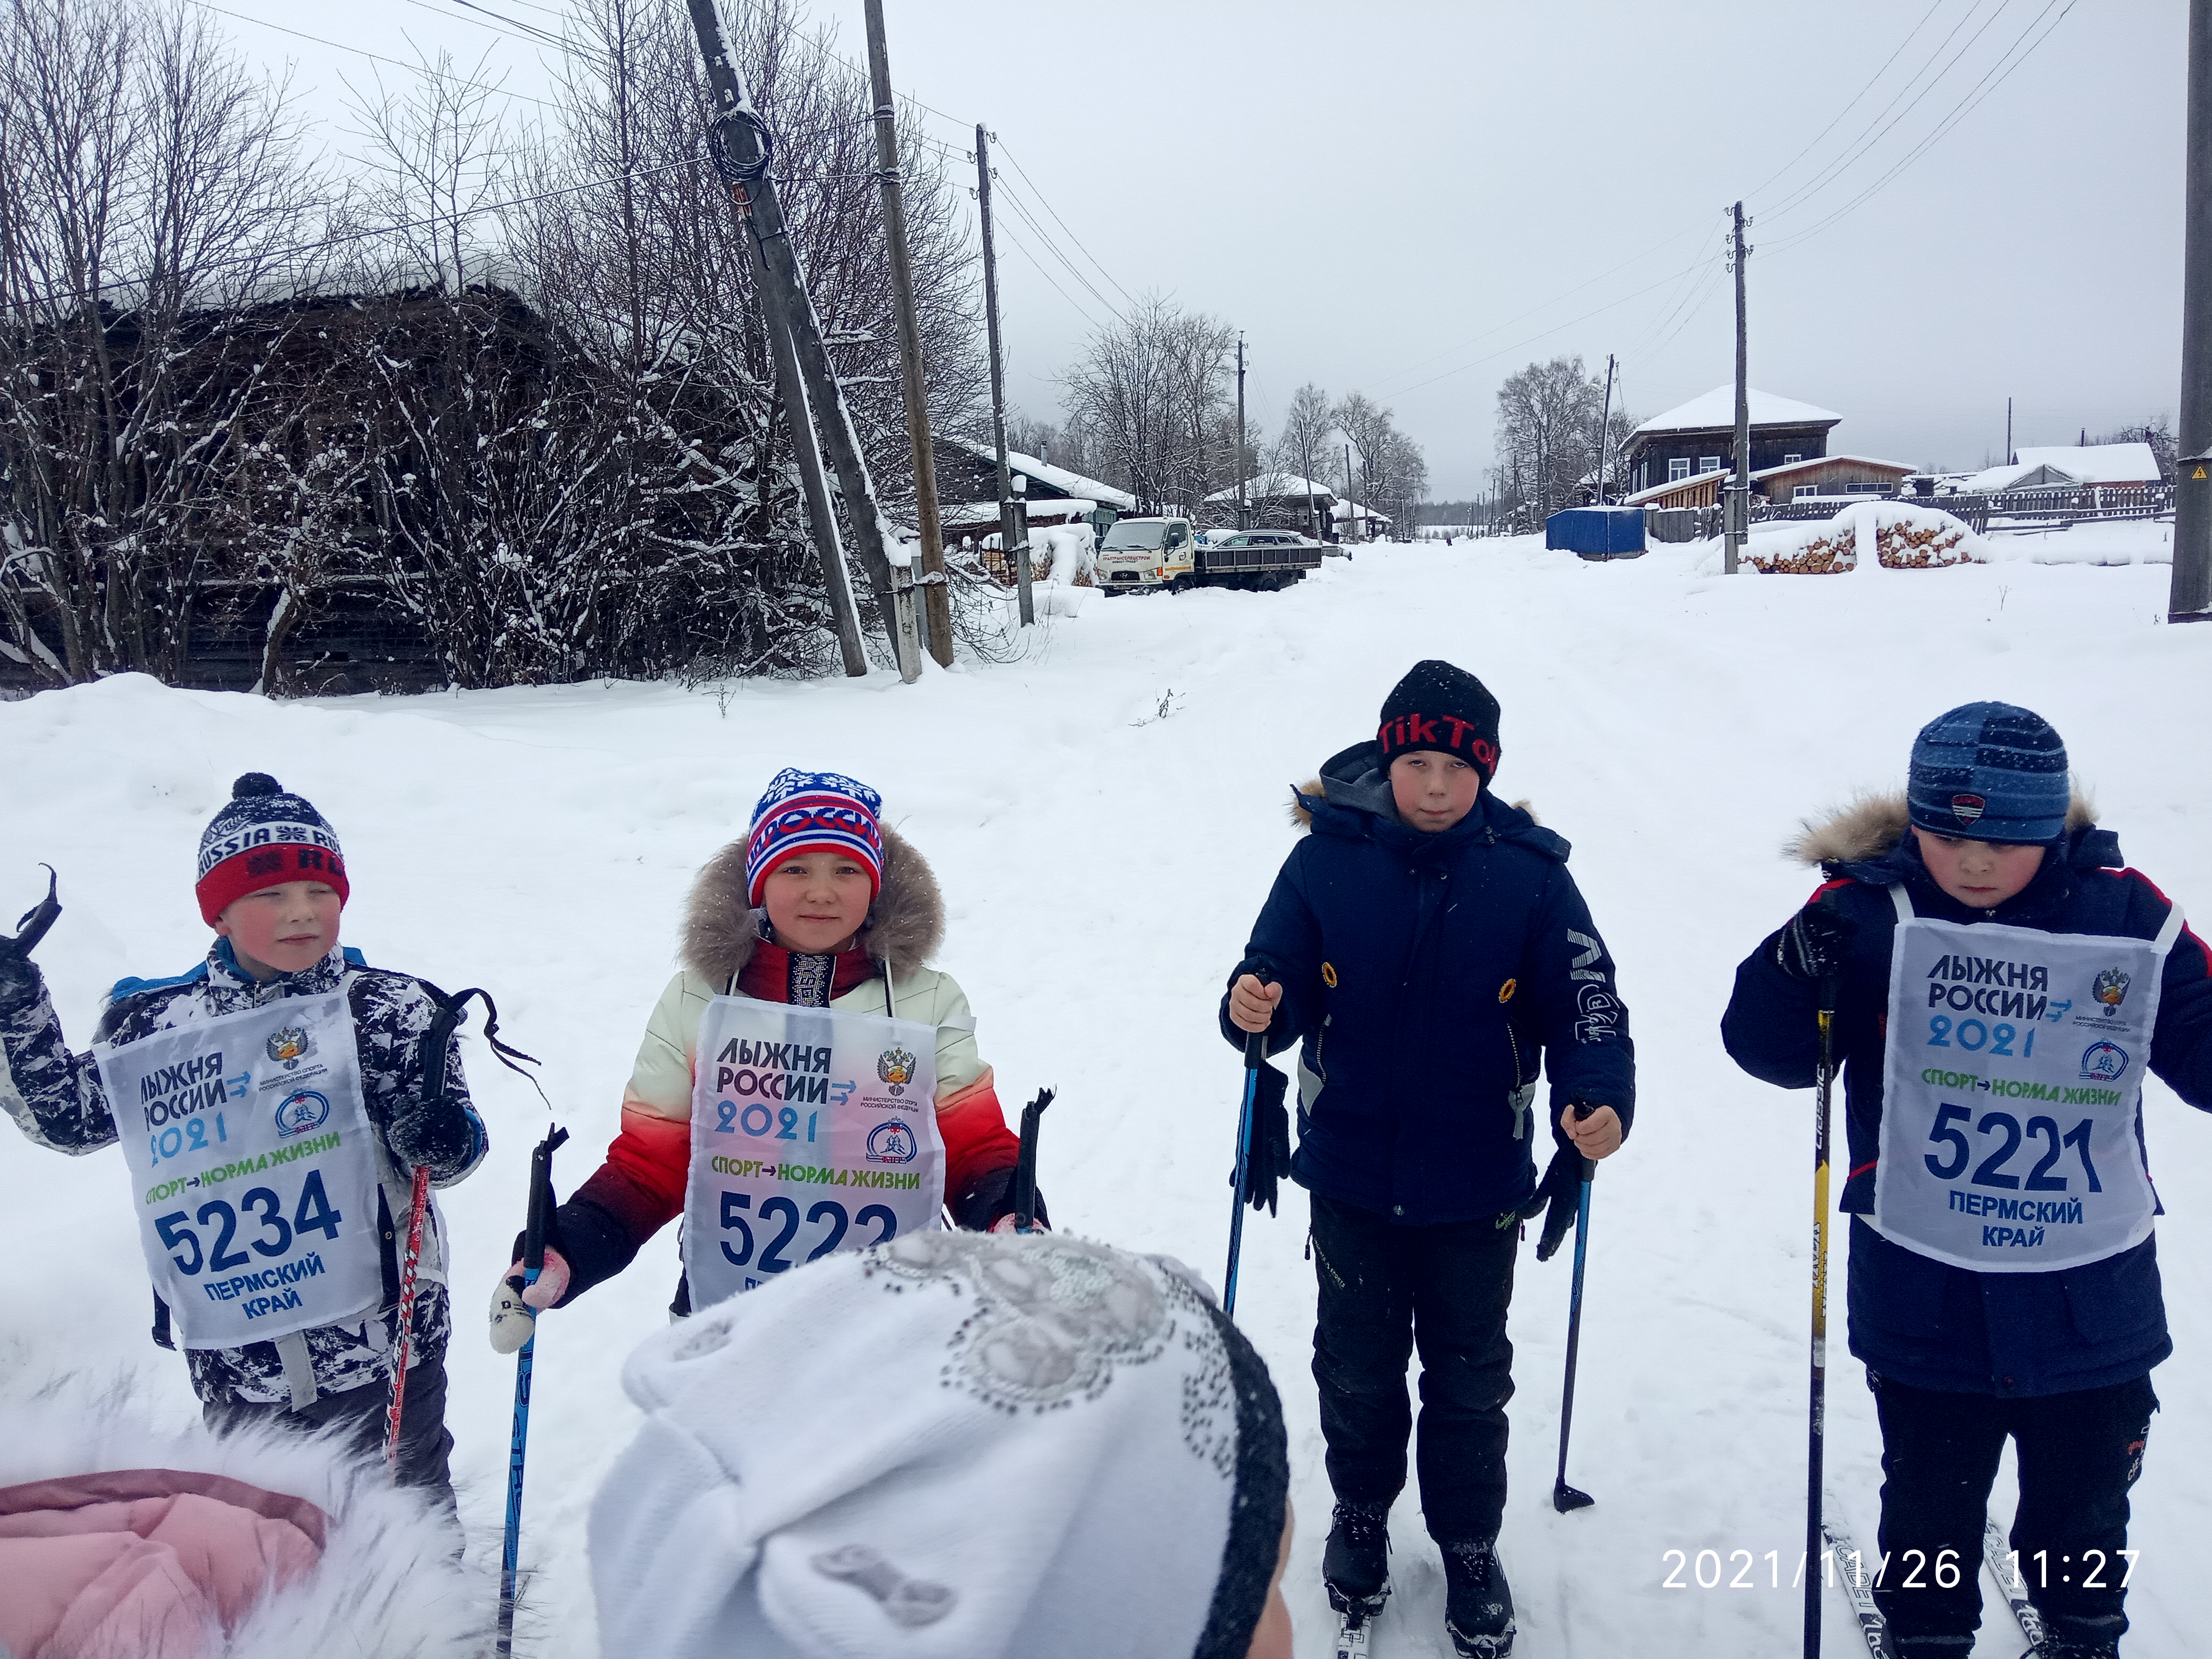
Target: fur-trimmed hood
<point>1872,825</point>
<point>386,1585</point>
<point>906,924</point>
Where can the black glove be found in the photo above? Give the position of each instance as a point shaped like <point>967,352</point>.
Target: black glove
<point>1813,943</point>
<point>1558,1195</point>
<point>19,980</point>
<point>1270,1159</point>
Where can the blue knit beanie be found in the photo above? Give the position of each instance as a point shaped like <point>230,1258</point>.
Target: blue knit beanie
<point>1988,771</point>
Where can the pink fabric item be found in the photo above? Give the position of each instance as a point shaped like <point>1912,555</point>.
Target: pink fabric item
<point>144,1564</point>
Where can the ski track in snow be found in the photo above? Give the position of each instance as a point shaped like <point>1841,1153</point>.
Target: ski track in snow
<point>1101,866</point>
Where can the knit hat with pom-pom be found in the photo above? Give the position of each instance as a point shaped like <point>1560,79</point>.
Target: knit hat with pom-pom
<point>263,837</point>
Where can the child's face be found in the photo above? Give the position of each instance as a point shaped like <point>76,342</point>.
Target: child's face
<point>1982,873</point>
<point>1432,790</point>
<point>816,902</point>
<point>281,929</point>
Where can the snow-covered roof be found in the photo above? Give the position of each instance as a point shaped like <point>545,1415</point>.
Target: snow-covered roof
<point>2026,475</point>
<point>1068,483</point>
<point>1830,460</point>
<point>1343,510</point>
<point>2096,464</point>
<point>1652,492</point>
<point>1274,485</point>
<point>1045,509</point>
<point>1717,409</point>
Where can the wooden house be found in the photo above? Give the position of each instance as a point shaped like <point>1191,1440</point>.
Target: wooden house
<point>1699,437</point>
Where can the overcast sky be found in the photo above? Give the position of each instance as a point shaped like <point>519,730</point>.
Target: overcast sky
<point>1414,200</point>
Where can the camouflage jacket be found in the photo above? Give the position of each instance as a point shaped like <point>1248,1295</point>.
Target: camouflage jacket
<point>57,1099</point>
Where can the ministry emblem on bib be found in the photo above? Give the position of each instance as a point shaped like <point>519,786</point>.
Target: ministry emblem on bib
<point>301,1110</point>
<point>2110,987</point>
<point>2101,1062</point>
<point>289,1045</point>
<point>1967,808</point>
<point>892,1143</point>
<point>895,1067</point>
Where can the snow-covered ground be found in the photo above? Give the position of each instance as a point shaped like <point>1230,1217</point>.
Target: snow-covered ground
<point>1102,860</point>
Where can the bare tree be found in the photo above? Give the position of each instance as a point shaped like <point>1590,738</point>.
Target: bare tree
<point>1393,473</point>
<point>1301,448</point>
<point>151,188</point>
<point>1149,396</point>
<point>1548,428</point>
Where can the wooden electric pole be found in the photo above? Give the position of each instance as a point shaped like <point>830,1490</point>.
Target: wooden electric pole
<point>1351,502</point>
<point>2190,597</point>
<point>937,602</point>
<point>1737,518</point>
<point>1604,431</point>
<point>1013,527</point>
<point>737,140</point>
<point>1243,513</point>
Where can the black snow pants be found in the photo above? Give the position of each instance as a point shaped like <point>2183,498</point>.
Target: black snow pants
<point>425,1444</point>
<point>1384,1289</point>
<point>2078,1454</point>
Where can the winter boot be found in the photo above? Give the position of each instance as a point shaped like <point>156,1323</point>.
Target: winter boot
<point>1356,1564</point>
<point>1478,1604</point>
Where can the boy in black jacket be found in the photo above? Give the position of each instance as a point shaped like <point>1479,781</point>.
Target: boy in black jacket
<point>2003,985</point>
<point>1429,950</point>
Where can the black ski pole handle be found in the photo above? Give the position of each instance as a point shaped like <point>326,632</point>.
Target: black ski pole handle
<point>541,1200</point>
<point>1255,1049</point>
<point>1583,1109</point>
<point>1025,1163</point>
<point>31,927</point>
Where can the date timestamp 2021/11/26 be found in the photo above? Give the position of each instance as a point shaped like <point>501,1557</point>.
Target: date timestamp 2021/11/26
<point>1710,1569</point>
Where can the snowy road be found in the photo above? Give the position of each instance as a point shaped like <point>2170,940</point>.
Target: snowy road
<point>1102,863</point>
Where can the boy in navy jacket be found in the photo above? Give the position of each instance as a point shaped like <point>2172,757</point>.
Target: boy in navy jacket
<point>2004,984</point>
<point>1427,949</point>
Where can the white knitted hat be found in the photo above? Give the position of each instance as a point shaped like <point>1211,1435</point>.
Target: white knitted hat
<point>956,1446</point>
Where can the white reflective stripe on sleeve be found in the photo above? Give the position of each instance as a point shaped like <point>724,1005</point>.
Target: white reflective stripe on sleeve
<point>1902,900</point>
<point>2169,935</point>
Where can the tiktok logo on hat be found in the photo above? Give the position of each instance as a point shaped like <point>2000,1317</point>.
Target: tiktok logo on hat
<point>1967,808</point>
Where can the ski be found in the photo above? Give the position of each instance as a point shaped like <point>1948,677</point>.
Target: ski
<point>2004,1567</point>
<point>1851,1571</point>
<point>1355,1622</point>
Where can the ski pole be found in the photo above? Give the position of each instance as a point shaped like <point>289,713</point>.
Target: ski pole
<point>534,1263</point>
<point>402,1349</point>
<point>1256,1055</point>
<point>1025,1165</point>
<point>1816,1437</point>
<point>1564,1497</point>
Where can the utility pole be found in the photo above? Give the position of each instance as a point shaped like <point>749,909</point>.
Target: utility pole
<point>2190,598</point>
<point>1738,517</point>
<point>1604,431</point>
<point>742,158</point>
<point>1013,527</point>
<point>937,604</point>
<point>737,140</point>
<point>2008,460</point>
<point>1243,514</point>
<point>1351,501</point>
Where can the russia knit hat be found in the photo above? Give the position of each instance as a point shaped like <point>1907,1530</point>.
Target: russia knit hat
<point>1437,706</point>
<point>811,812</point>
<point>953,1446</point>
<point>262,837</point>
<point>1990,771</point>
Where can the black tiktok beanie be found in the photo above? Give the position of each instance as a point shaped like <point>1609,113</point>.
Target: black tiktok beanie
<point>1437,706</point>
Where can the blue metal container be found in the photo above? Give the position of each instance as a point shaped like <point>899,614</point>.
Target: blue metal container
<point>1596,532</point>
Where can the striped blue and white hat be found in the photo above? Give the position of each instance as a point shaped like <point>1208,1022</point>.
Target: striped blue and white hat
<point>263,837</point>
<point>804,811</point>
<point>1990,771</point>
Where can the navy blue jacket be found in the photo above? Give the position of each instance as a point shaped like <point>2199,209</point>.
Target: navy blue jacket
<point>1429,977</point>
<point>1926,1323</point>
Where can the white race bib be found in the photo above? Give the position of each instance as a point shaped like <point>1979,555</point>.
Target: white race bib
<point>813,1130</point>
<point>252,1169</point>
<point>2012,1090</point>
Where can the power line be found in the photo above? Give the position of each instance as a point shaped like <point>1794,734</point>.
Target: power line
<point>1061,222</point>
<point>1869,85</point>
<point>1008,232</point>
<point>273,255</point>
<point>1973,99</point>
<point>1012,199</point>
<point>1871,135</point>
<point>412,68</point>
